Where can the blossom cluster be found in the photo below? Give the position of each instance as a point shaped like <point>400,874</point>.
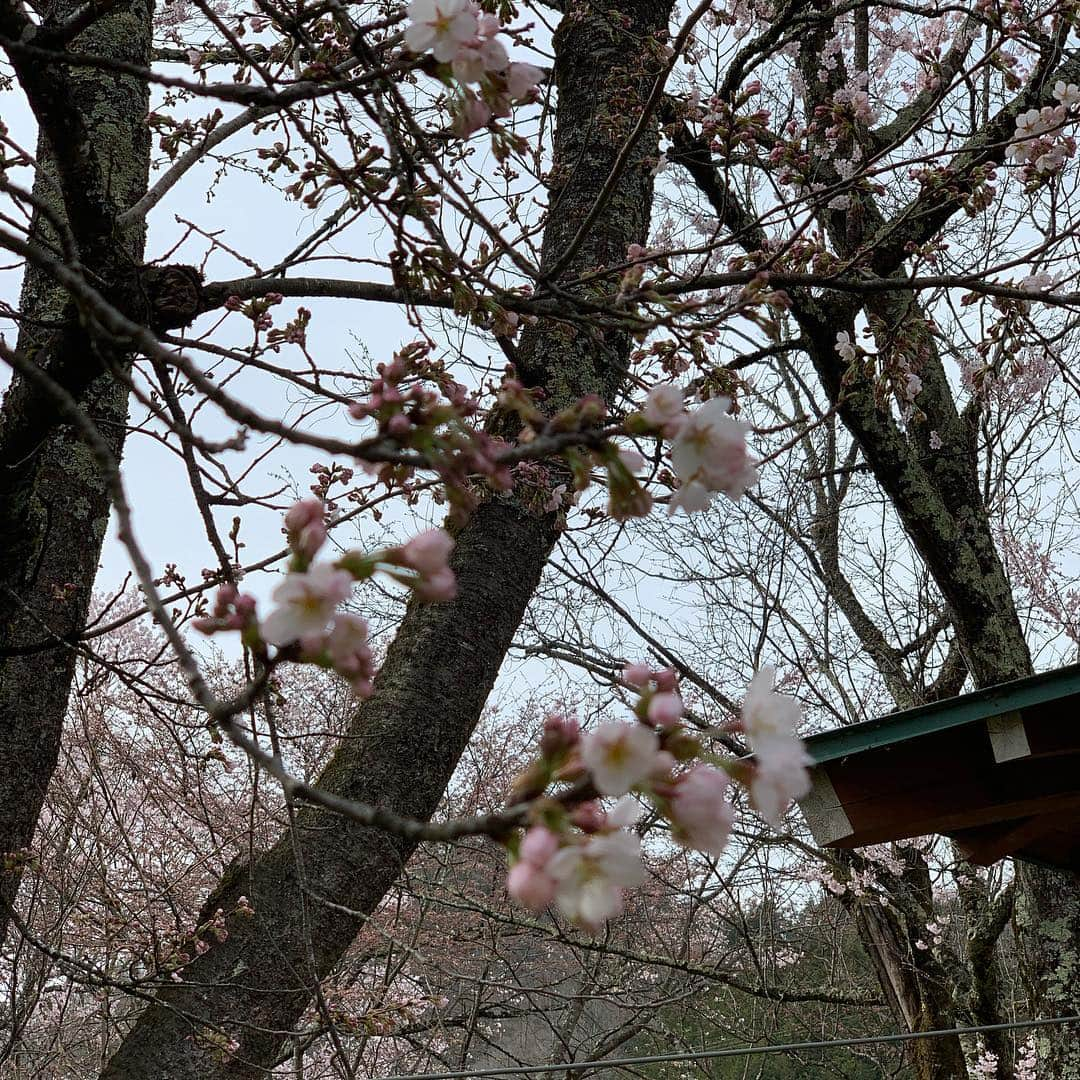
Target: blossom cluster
<point>465,41</point>
<point>1038,144</point>
<point>581,857</point>
<point>708,447</point>
<point>306,619</point>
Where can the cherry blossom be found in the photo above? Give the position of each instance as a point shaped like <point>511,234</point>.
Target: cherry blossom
<point>1068,94</point>
<point>347,647</point>
<point>1037,282</point>
<point>780,776</point>
<point>780,760</point>
<point>768,717</point>
<point>845,348</point>
<point>664,409</point>
<point>701,816</point>
<point>665,709</point>
<point>1027,1068</point>
<point>590,877</point>
<point>443,26</point>
<point>618,756</point>
<point>479,56</point>
<point>428,554</point>
<point>305,526</point>
<point>709,454</point>
<point>522,79</point>
<point>305,603</point>
<point>529,882</point>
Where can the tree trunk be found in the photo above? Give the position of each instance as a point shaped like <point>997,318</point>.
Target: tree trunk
<point>53,503</point>
<point>313,889</point>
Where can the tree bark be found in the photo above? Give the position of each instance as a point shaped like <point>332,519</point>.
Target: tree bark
<point>93,163</point>
<point>313,889</point>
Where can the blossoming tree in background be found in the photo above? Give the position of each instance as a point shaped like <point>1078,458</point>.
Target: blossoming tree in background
<point>667,227</point>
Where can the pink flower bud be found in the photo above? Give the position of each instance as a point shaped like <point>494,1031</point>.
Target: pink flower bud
<point>637,675</point>
<point>398,425</point>
<point>665,709</point>
<point>530,886</point>
<point>561,733</point>
<point>306,527</point>
<point>665,679</point>
<point>428,552</point>
<point>539,845</point>
<point>439,586</point>
<point>588,817</point>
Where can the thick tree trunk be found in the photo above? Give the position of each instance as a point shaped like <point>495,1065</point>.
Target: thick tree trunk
<point>916,1000</point>
<point>53,504</point>
<point>313,889</point>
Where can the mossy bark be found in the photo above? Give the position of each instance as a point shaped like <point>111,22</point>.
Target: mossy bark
<point>313,889</point>
<point>53,503</point>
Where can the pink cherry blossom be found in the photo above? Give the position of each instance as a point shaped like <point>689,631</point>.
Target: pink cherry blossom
<point>522,79</point>
<point>539,845</point>
<point>531,886</point>
<point>665,709</point>
<point>637,675</point>
<point>442,26</point>
<point>476,58</point>
<point>618,756</point>
<point>665,679</point>
<point>529,882</point>
<point>438,586</point>
<point>305,525</point>
<point>590,877</point>
<point>428,552</point>
<point>305,603</point>
<point>664,409</point>
<point>473,115</point>
<point>710,452</point>
<point>347,646</point>
<point>701,817</point>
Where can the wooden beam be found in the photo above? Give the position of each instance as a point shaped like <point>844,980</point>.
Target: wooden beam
<point>823,810</point>
<point>986,846</point>
<point>1008,736</point>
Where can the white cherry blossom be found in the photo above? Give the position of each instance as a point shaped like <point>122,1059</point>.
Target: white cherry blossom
<point>844,347</point>
<point>780,776</point>
<point>780,760</point>
<point>305,603</point>
<point>443,26</point>
<point>710,451</point>
<point>664,409</point>
<point>1067,93</point>
<point>618,756</point>
<point>590,877</point>
<point>767,717</point>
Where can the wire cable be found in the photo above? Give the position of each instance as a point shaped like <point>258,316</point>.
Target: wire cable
<point>741,1051</point>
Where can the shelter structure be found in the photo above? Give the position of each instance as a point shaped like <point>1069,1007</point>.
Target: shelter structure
<point>997,770</point>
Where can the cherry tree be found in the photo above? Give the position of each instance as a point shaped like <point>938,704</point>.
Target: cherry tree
<point>828,207</point>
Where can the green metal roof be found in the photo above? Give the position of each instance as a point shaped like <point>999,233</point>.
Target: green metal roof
<point>953,712</point>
